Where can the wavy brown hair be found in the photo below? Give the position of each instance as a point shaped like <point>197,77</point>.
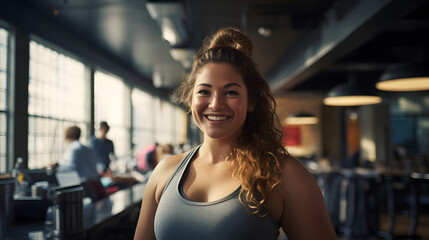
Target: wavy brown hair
<point>258,155</point>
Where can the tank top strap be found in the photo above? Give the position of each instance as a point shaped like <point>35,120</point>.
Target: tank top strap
<point>181,167</point>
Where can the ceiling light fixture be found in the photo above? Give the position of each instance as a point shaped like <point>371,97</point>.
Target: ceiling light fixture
<point>265,31</point>
<point>183,55</point>
<point>301,118</point>
<point>170,16</point>
<point>404,77</point>
<point>172,32</point>
<point>351,94</point>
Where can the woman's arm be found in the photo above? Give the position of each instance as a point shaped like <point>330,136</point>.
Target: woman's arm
<point>304,211</point>
<point>145,227</point>
<point>152,194</point>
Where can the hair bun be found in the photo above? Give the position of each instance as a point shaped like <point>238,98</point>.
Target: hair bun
<point>230,37</point>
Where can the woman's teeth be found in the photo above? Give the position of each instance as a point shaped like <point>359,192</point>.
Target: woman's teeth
<point>217,118</point>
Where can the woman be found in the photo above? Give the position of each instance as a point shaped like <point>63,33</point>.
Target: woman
<point>240,183</point>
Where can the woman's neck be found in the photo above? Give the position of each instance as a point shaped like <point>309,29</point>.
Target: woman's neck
<point>215,151</point>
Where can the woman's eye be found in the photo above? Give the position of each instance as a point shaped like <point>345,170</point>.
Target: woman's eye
<point>203,92</point>
<point>231,93</point>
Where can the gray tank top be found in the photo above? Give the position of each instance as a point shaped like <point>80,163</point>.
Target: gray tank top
<point>180,218</point>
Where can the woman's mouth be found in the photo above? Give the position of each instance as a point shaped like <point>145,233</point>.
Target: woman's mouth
<point>217,117</point>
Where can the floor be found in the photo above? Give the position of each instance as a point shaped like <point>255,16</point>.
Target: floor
<point>403,223</point>
<point>401,227</point>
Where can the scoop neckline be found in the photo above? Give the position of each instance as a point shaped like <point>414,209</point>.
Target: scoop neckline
<point>185,199</point>
<point>182,196</point>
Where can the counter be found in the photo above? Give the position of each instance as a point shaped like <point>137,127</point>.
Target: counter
<point>95,214</point>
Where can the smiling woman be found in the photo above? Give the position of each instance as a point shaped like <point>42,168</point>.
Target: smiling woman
<point>219,103</point>
<point>240,183</point>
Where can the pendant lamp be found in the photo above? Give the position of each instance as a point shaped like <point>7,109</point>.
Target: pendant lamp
<point>351,94</point>
<point>404,77</point>
<point>301,118</point>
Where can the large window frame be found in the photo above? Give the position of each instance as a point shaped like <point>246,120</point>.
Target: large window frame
<point>143,119</point>
<point>58,90</point>
<point>112,103</point>
<point>156,120</point>
<point>4,97</point>
<point>40,140</point>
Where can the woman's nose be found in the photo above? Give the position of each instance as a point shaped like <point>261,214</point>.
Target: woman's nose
<point>217,102</point>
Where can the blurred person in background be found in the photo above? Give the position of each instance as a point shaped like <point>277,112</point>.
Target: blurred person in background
<point>104,150</point>
<point>147,158</point>
<point>164,151</point>
<point>81,159</point>
<point>77,156</point>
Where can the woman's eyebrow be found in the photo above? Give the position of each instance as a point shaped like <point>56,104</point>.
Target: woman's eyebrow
<point>204,85</point>
<point>231,84</point>
<point>226,86</point>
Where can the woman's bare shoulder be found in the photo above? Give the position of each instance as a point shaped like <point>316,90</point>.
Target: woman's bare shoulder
<point>163,171</point>
<point>169,162</point>
<point>293,169</point>
<point>303,203</point>
<point>296,180</point>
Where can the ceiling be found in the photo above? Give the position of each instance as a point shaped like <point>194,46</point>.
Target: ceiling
<point>314,44</point>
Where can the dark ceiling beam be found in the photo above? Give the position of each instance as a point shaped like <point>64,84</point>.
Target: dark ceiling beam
<point>39,27</point>
<point>346,27</point>
<point>411,25</point>
<point>358,67</point>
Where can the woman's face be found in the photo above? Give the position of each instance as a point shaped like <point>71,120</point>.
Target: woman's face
<point>219,101</point>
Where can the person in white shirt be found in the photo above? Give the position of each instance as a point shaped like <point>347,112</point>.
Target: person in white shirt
<point>78,157</point>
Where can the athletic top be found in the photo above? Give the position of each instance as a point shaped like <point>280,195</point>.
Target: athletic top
<point>180,218</point>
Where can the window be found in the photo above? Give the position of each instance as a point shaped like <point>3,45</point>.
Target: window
<point>57,99</point>
<point>112,104</point>
<point>155,120</point>
<point>410,123</point>
<point>163,121</point>
<point>422,134</point>
<point>143,119</point>
<point>411,132</point>
<point>3,99</point>
<point>180,125</point>
<point>170,122</point>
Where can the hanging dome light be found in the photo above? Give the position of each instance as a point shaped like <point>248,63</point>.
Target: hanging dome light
<point>265,31</point>
<point>404,77</point>
<point>301,118</point>
<point>351,94</point>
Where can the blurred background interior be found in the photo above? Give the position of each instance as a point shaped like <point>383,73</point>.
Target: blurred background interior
<point>350,77</point>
